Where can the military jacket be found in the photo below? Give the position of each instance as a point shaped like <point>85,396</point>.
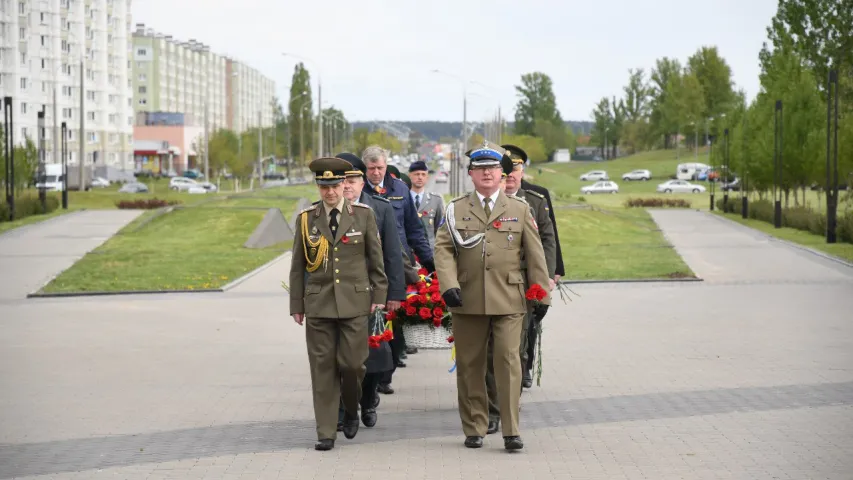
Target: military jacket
<point>539,207</point>
<point>431,213</point>
<point>348,269</point>
<point>488,271</point>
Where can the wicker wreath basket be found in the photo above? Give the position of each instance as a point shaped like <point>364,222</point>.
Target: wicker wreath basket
<point>425,336</point>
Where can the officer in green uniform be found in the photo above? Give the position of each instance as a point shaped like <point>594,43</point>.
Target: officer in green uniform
<point>478,259</point>
<point>337,278</point>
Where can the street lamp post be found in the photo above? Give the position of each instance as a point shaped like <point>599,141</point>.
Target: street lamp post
<point>302,139</point>
<point>454,184</point>
<point>726,169</point>
<point>831,167</point>
<point>64,141</point>
<point>290,133</point>
<point>319,100</point>
<point>777,165</point>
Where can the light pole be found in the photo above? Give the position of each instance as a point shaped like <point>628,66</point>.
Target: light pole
<point>695,141</point>
<point>777,164</point>
<point>454,183</point>
<point>290,134</point>
<point>606,129</point>
<point>831,167</point>
<point>319,99</point>
<point>499,130</point>
<point>302,138</point>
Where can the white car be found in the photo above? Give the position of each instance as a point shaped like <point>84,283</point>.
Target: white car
<point>442,177</point>
<point>100,182</point>
<point>594,176</point>
<point>600,187</point>
<point>644,175</point>
<point>680,186</point>
<point>182,184</point>
<point>203,187</point>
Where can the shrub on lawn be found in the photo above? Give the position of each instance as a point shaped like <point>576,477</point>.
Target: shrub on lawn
<point>657,203</point>
<point>145,204</point>
<point>28,206</point>
<point>799,218</point>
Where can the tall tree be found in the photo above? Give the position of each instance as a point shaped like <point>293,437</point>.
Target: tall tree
<point>301,112</point>
<point>636,96</point>
<point>536,101</point>
<point>279,129</point>
<point>603,122</point>
<point>715,76</point>
<point>688,99</point>
<point>662,121</point>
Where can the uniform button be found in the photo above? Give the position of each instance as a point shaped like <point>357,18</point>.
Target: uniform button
<point>488,241</point>
<point>337,259</point>
<point>337,280</point>
<point>488,268</point>
<point>489,254</point>
<point>336,249</point>
<point>337,271</point>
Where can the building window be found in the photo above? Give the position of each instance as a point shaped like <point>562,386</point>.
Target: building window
<point>22,8</point>
<point>142,101</point>
<point>23,108</point>
<point>143,77</point>
<point>43,40</point>
<point>70,136</point>
<point>42,64</point>
<point>141,52</point>
<point>24,133</point>
<point>91,116</point>
<point>41,16</point>
<point>93,137</point>
<point>90,95</point>
<point>142,89</point>
<point>66,113</point>
<point>23,84</point>
<point>23,58</point>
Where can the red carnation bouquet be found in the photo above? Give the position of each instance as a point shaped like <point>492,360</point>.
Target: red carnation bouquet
<point>423,304</point>
<point>535,294</point>
<point>380,329</point>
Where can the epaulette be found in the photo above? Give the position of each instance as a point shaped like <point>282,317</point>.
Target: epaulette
<point>518,199</point>
<point>380,199</point>
<point>357,204</point>
<point>312,207</point>
<point>461,197</point>
<point>535,194</point>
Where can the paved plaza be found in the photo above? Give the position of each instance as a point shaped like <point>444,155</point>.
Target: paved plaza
<point>746,375</point>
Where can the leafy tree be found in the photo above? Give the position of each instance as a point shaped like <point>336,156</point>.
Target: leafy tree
<point>223,150</point>
<point>664,75</point>
<point>554,136</point>
<point>715,77</point>
<point>536,102</point>
<point>301,111</point>
<point>533,146</point>
<point>637,100</point>
<point>361,139</point>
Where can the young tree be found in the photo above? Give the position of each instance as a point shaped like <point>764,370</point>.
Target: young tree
<point>301,116</point>
<point>536,102</point>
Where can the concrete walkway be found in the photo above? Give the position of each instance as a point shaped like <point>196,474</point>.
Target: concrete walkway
<point>719,250</point>
<point>33,254</point>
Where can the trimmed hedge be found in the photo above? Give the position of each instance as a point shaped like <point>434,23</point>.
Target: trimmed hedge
<point>657,202</point>
<point>28,206</point>
<point>799,218</point>
<point>145,204</point>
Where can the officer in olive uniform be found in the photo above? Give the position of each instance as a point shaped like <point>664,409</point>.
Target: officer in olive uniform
<point>430,206</point>
<point>337,278</point>
<point>519,157</point>
<point>478,259</point>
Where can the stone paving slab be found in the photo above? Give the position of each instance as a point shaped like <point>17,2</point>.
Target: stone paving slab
<point>30,256</point>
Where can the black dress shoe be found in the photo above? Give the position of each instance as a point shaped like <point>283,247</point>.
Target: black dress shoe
<point>400,364</point>
<point>473,442</point>
<point>375,402</point>
<point>403,356</point>
<point>340,426</point>
<point>368,417</point>
<point>513,443</point>
<point>385,389</point>
<point>526,379</point>
<point>494,425</point>
<point>350,425</point>
<point>411,350</point>
<point>324,445</point>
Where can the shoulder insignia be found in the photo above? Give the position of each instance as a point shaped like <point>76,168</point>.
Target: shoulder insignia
<point>312,207</point>
<point>380,199</point>
<point>460,197</point>
<point>535,193</point>
<point>518,199</point>
<point>349,208</point>
<point>359,204</point>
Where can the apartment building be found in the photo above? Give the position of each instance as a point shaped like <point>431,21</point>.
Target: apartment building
<point>186,77</point>
<point>43,44</point>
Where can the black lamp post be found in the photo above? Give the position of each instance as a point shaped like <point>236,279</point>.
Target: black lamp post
<point>40,173</point>
<point>64,143</point>
<point>831,166</point>
<point>744,193</point>
<point>711,160</point>
<point>9,134</point>
<point>777,165</point>
<point>725,170</point>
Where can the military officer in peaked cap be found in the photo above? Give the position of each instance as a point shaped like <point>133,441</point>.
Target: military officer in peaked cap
<point>519,158</point>
<point>430,206</point>
<point>337,278</point>
<point>478,259</point>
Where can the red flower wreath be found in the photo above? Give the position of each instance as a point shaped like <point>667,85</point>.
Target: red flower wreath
<point>536,293</point>
<point>425,313</point>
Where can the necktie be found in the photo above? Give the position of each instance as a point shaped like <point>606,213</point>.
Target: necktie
<point>418,201</point>
<point>486,207</point>
<point>333,222</point>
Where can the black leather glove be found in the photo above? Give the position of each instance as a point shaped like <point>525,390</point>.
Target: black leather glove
<point>429,265</point>
<point>452,297</point>
<point>539,312</point>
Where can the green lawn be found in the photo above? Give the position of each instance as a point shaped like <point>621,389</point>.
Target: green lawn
<point>817,242</point>
<point>616,244</point>
<point>6,226</point>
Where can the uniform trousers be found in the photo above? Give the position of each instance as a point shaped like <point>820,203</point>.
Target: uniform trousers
<point>491,388</point>
<point>337,351</point>
<point>471,334</point>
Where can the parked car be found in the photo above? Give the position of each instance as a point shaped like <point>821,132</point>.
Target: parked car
<point>133,187</point>
<point>202,187</point>
<point>600,187</point>
<point>680,186</point>
<point>181,184</point>
<point>643,175</point>
<point>594,176</point>
<point>100,182</point>
<point>192,173</point>
<point>733,186</point>
<point>442,177</point>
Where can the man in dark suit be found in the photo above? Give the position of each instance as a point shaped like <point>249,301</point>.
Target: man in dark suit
<point>560,270</point>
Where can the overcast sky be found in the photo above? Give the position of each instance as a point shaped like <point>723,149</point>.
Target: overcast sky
<point>375,56</point>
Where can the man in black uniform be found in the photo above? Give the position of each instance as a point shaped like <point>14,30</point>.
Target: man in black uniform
<point>516,152</point>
